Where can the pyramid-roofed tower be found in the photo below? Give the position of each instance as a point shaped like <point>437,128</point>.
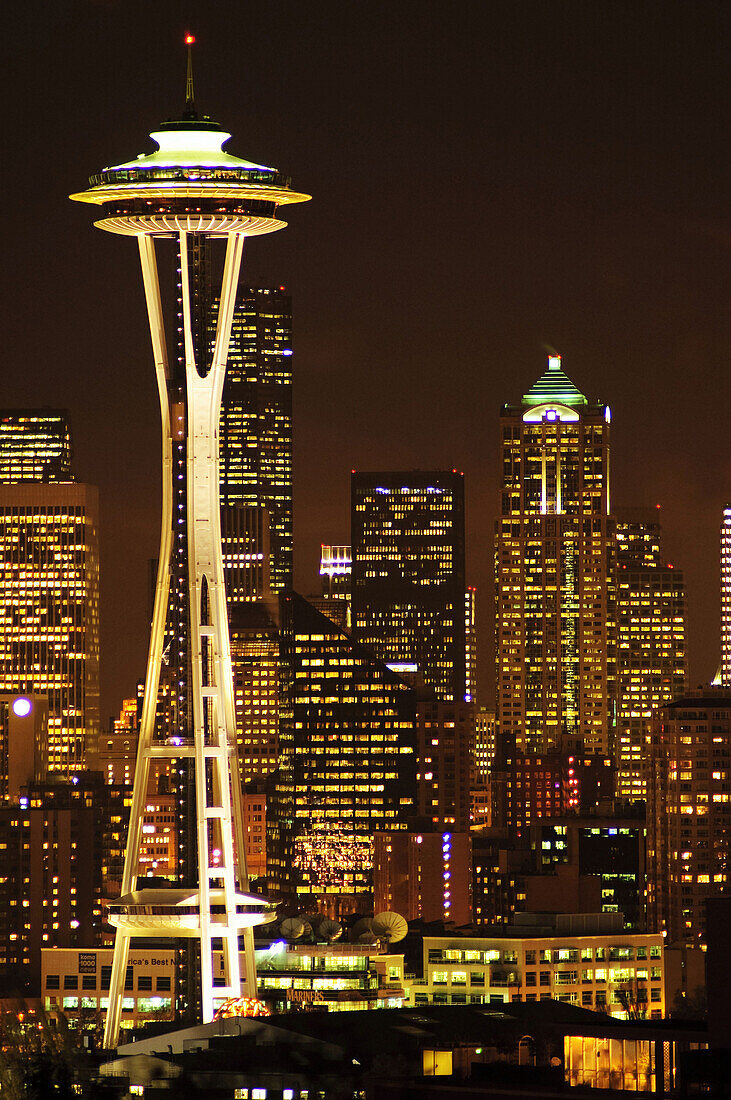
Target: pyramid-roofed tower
<point>554,386</point>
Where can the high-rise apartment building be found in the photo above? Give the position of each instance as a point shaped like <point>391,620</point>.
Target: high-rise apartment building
<point>347,760</point>
<point>49,610</point>
<point>35,445</point>
<point>726,597</point>
<point>556,676</point>
<point>407,533</point>
<point>255,429</point>
<point>689,812</point>
<point>651,653</point>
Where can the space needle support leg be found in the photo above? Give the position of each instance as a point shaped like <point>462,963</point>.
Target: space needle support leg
<point>213,729</point>
<point>154,660</point>
<point>223,647</point>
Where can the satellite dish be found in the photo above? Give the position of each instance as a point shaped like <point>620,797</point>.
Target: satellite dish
<point>389,927</point>
<point>292,928</point>
<point>365,924</point>
<point>329,930</point>
<point>368,938</point>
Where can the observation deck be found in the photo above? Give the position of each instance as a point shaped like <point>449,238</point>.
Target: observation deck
<point>176,912</point>
<point>189,184</point>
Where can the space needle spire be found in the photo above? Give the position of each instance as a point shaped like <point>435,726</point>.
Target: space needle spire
<point>190,191</point>
<point>189,93</point>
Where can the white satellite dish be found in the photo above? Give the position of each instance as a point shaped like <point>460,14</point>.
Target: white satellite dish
<point>390,927</point>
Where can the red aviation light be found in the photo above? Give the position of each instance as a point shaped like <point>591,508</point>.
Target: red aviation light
<point>189,39</point>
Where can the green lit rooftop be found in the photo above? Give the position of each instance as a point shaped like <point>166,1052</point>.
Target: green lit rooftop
<point>554,386</point>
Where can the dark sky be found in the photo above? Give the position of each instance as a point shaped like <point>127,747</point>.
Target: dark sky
<point>489,178</point>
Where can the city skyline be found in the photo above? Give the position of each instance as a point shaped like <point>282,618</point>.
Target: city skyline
<point>597,229</point>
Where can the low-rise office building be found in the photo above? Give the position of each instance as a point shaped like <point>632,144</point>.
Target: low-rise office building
<point>586,960</point>
<point>337,977</point>
<point>77,983</point>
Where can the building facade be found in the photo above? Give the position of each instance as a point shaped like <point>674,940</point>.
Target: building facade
<point>689,812</point>
<point>347,761</point>
<point>23,743</point>
<point>255,430</point>
<point>651,644</point>
<point>254,633</point>
<point>445,734</point>
<point>424,875</point>
<point>556,650</point>
<point>61,852</point>
<point>599,968</point>
<point>49,613</point>
<point>408,594</point>
<point>35,445</point>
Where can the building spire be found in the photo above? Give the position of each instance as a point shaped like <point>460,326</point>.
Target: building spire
<point>189,95</point>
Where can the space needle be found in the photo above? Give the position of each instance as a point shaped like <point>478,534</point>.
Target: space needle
<point>191,191</point>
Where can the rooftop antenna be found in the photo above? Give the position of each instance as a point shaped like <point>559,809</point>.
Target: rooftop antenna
<point>189,95</point>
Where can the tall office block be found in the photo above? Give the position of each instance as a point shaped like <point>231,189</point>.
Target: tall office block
<point>347,760</point>
<point>190,191</point>
<point>49,611</point>
<point>689,812</point>
<point>407,532</point>
<point>254,631</point>
<point>35,445</point>
<point>246,554</point>
<point>651,653</point>
<point>726,597</point>
<point>255,428</point>
<point>556,676</point>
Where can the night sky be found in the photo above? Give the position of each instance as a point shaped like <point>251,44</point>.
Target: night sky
<point>489,180</point>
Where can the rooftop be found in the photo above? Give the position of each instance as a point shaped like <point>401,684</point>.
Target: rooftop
<point>554,386</point>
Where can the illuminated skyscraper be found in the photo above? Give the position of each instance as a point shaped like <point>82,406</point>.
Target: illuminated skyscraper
<point>556,677</point>
<point>255,432</point>
<point>347,760</point>
<point>408,592</point>
<point>190,190</point>
<point>726,597</point>
<point>651,654</point>
<point>49,610</point>
<point>35,445</point>
<point>49,581</point>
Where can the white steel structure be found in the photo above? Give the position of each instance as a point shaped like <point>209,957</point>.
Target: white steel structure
<point>190,186</point>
